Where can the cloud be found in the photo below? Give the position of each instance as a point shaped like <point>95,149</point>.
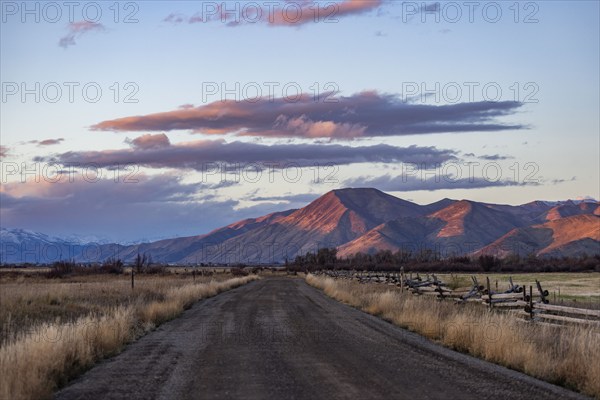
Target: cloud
<point>301,199</point>
<point>150,141</point>
<point>222,183</point>
<point>76,30</point>
<point>154,206</point>
<point>365,114</point>
<point>495,157</point>
<point>3,151</point>
<point>291,13</point>
<point>174,18</point>
<point>197,154</point>
<point>586,198</point>
<point>47,142</point>
<point>138,188</point>
<point>50,142</point>
<point>559,181</point>
<point>488,157</point>
<point>304,127</point>
<point>409,183</point>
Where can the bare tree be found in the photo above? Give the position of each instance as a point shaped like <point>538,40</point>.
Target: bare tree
<point>141,262</point>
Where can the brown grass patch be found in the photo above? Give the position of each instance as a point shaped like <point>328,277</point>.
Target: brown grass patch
<point>566,355</point>
<point>36,360</point>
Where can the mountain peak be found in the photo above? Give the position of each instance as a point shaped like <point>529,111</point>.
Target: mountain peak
<point>362,220</point>
<point>359,209</point>
<point>353,193</point>
<point>357,197</point>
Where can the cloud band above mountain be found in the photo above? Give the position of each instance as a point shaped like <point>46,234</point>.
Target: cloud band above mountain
<point>155,151</point>
<point>366,114</point>
<point>409,183</point>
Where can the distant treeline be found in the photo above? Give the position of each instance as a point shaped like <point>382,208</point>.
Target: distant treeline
<point>430,261</point>
<point>326,258</point>
<point>142,264</point>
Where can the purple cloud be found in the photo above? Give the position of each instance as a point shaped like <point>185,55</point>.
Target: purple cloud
<point>149,141</point>
<point>195,155</point>
<point>366,114</point>
<point>149,207</point>
<point>409,183</point>
<point>47,142</point>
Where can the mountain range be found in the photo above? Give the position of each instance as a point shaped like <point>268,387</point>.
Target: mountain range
<point>352,220</point>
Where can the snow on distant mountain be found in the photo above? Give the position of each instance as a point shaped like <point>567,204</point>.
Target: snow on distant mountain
<point>85,239</point>
<point>569,201</point>
<point>21,245</point>
<point>18,236</point>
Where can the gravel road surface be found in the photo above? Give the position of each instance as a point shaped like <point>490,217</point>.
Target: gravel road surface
<point>279,338</point>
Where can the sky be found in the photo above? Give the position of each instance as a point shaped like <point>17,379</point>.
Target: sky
<point>129,121</point>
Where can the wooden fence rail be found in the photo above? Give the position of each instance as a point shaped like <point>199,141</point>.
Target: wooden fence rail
<point>528,304</point>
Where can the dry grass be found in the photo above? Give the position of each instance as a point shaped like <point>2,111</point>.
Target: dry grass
<point>30,299</point>
<point>37,359</point>
<point>563,355</point>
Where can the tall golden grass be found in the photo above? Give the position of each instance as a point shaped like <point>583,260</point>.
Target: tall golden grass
<point>30,299</point>
<point>566,355</point>
<point>36,362</point>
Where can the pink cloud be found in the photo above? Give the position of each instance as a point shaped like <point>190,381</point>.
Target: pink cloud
<point>76,30</point>
<point>50,142</point>
<point>327,11</point>
<point>150,141</point>
<point>288,13</point>
<point>365,114</point>
<point>305,127</point>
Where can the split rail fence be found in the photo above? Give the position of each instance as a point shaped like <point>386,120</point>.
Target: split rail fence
<point>530,303</point>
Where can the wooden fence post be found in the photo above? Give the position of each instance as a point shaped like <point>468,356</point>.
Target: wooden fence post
<point>132,282</point>
<point>489,292</point>
<point>402,280</point>
<point>531,301</point>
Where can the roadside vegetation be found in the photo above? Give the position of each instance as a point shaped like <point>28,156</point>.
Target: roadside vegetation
<point>566,355</point>
<point>57,323</point>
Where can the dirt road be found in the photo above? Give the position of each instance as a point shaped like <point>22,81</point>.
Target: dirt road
<point>282,339</point>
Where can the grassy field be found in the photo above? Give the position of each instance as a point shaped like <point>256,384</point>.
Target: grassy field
<point>53,329</point>
<point>577,289</point>
<point>28,298</point>
<point>565,355</point>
